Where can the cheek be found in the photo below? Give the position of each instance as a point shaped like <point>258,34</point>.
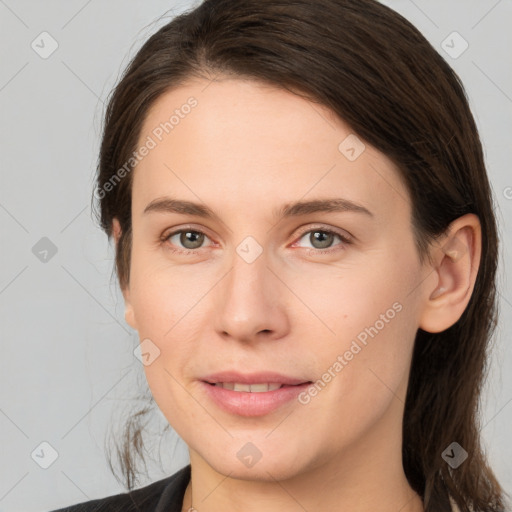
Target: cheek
<point>175,402</point>
<point>347,300</point>
<point>365,326</point>
<point>169,307</point>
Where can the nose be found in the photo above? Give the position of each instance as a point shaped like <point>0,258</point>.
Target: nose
<point>250,302</point>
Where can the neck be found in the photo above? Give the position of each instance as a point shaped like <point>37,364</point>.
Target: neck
<point>312,491</point>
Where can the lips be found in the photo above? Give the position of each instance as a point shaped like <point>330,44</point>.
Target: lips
<point>254,394</point>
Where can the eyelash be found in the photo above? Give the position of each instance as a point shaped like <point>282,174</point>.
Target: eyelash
<point>344,240</point>
<point>338,247</point>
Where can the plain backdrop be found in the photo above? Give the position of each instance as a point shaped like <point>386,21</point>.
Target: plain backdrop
<point>67,366</point>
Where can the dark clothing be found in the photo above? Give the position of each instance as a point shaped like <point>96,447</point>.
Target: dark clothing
<point>162,496</point>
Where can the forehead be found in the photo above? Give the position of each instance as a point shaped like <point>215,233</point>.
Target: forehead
<point>255,143</point>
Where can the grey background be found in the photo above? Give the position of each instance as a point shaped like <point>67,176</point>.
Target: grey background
<point>67,366</point>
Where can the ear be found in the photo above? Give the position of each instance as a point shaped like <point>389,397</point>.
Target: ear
<point>129,314</point>
<point>456,261</point>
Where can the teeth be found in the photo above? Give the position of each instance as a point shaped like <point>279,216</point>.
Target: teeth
<point>242,387</point>
<point>249,388</point>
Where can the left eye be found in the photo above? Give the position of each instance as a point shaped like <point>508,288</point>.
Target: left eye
<point>322,238</point>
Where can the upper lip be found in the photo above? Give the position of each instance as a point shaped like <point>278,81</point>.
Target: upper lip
<point>253,378</point>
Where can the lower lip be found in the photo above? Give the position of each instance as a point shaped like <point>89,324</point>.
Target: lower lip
<point>243,403</point>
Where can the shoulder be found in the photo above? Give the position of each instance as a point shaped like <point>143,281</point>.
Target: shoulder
<point>160,495</point>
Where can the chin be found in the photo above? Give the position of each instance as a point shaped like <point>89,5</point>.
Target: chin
<point>243,460</point>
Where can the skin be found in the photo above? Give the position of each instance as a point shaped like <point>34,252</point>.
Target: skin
<point>244,151</point>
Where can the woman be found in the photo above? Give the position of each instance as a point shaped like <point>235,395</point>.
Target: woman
<point>306,245</point>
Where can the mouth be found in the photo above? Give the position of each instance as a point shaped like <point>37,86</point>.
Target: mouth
<point>263,387</point>
<point>252,394</point>
<point>249,388</point>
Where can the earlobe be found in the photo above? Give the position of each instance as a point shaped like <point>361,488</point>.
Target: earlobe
<point>116,229</point>
<point>456,267</point>
<point>129,314</point>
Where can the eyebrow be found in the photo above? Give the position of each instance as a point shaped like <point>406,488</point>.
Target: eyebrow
<point>295,209</point>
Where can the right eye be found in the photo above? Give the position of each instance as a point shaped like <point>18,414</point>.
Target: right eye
<point>185,239</point>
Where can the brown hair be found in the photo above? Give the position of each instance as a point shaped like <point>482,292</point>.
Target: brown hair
<point>374,70</point>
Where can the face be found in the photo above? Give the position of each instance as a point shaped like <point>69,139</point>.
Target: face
<point>292,263</point>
